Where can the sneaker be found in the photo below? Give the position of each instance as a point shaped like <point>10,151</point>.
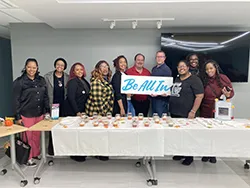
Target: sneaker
<point>102,158</point>
<point>188,161</point>
<point>213,160</point>
<point>204,159</point>
<point>178,158</point>
<point>31,163</point>
<point>37,157</point>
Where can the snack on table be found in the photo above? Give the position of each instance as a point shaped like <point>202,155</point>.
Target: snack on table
<point>109,115</point>
<point>86,119</point>
<point>177,126</point>
<point>134,123</point>
<point>65,126</point>
<point>95,123</point>
<point>82,124</point>
<point>117,117</point>
<point>164,116</point>
<point>130,116</point>
<point>157,120</point>
<point>247,126</point>
<point>140,116</point>
<point>155,115</point>
<point>146,124</point>
<point>170,124</point>
<point>106,124</point>
<point>115,124</point>
<point>95,115</point>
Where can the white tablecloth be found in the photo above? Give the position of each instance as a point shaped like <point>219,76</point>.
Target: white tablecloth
<point>194,138</point>
<point>122,141</point>
<point>199,137</point>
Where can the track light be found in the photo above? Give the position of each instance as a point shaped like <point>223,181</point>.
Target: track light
<point>159,24</point>
<point>134,24</point>
<point>112,25</point>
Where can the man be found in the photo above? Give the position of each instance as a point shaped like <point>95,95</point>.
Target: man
<point>141,103</point>
<point>160,103</point>
<point>193,61</point>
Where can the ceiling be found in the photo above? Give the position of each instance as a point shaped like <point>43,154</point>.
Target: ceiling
<point>89,13</point>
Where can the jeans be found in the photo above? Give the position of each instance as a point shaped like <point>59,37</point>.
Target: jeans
<point>131,108</point>
<point>160,105</point>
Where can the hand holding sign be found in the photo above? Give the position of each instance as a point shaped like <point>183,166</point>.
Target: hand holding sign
<point>146,85</point>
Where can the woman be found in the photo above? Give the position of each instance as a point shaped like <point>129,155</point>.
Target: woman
<point>120,103</point>
<point>185,99</point>
<point>56,83</point>
<point>77,91</point>
<point>77,94</point>
<point>193,61</point>
<point>215,86</point>
<point>101,97</point>
<point>31,103</point>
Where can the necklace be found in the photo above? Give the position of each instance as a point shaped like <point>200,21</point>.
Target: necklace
<point>60,83</point>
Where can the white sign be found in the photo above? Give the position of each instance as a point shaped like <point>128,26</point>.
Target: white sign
<point>146,85</point>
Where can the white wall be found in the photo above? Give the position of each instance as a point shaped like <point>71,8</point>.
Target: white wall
<point>90,46</point>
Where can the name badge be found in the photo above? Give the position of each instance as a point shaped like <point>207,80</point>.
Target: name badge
<point>83,92</point>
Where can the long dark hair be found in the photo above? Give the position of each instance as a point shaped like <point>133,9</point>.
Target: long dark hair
<point>24,72</point>
<point>116,62</point>
<point>205,77</point>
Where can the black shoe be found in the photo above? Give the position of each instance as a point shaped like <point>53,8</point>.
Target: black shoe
<point>212,160</point>
<point>204,159</point>
<point>188,161</point>
<point>78,158</point>
<point>178,158</point>
<point>51,153</point>
<point>102,158</point>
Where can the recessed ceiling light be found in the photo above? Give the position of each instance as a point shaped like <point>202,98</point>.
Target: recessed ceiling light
<point>134,24</point>
<point>159,24</point>
<point>112,25</point>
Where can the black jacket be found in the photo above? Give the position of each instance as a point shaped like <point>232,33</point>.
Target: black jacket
<point>77,95</point>
<point>116,84</point>
<point>30,97</point>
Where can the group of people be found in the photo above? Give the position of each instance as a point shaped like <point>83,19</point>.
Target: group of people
<point>193,94</point>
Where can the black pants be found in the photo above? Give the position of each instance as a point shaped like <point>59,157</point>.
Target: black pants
<point>141,107</point>
<point>50,147</point>
<point>176,116</point>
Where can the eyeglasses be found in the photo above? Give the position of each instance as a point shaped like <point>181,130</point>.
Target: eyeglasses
<point>104,67</point>
<point>160,56</point>
<point>58,65</point>
<point>193,59</point>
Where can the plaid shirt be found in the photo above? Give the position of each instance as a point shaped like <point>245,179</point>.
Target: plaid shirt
<point>101,98</point>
